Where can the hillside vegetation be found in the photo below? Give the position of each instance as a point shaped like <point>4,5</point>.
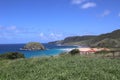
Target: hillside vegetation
<point>11,55</point>
<point>60,68</point>
<point>110,40</point>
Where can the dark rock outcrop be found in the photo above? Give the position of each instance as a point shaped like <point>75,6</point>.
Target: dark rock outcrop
<point>33,46</point>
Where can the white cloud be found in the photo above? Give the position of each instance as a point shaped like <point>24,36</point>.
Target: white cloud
<point>88,5</point>
<point>119,14</point>
<point>51,36</point>
<point>43,37</point>
<point>77,1</point>
<point>105,13</point>
<point>9,28</point>
<point>12,28</point>
<point>55,36</point>
<point>8,32</point>
<point>1,27</point>
<point>0,36</point>
<point>41,34</point>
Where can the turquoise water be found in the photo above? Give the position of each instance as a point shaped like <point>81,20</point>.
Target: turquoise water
<point>50,51</point>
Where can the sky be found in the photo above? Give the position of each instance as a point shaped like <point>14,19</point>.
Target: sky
<point>23,21</point>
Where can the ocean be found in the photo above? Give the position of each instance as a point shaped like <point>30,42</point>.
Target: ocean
<point>50,51</point>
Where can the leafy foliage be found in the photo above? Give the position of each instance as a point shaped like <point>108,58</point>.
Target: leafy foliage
<point>102,52</point>
<point>74,52</point>
<point>12,55</point>
<point>63,54</point>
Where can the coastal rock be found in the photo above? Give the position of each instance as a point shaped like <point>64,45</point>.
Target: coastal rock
<point>33,46</point>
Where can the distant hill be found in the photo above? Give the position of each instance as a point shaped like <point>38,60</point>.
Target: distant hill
<point>77,39</point>
<point>56,42</point>
<point>111,39</point>
<point>73,40</point>
<point>107,40</point>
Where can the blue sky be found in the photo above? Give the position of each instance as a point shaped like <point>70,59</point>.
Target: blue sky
<point>23,21</point>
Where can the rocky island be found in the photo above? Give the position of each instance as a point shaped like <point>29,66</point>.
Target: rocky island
<point>32,46</point>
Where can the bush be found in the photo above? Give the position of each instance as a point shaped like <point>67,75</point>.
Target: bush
<point>102,52</point>
<point>64,54</point>
<point>74,52</point>
<point>12,55</point>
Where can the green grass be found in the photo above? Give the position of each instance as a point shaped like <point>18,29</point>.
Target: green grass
<point>60,68</point>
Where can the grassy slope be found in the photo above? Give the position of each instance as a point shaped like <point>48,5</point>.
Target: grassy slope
<point>60,68</point>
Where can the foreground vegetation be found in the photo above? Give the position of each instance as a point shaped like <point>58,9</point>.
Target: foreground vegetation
<point>63,67</point>
<point>12,55</point>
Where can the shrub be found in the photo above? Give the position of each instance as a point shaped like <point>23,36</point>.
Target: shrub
<point>102,52</point>
<point>64,54</point>
<point>74,51</point>
<point>12,55</point>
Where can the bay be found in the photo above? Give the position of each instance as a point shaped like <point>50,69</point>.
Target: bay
<point>50,51</point>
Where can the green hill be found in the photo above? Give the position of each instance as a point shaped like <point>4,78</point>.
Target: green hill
<point>107,40</point>
<point>77,39</point>
<point>111,39</point>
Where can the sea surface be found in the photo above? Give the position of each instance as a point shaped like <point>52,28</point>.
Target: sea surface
<point>50,51</point>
